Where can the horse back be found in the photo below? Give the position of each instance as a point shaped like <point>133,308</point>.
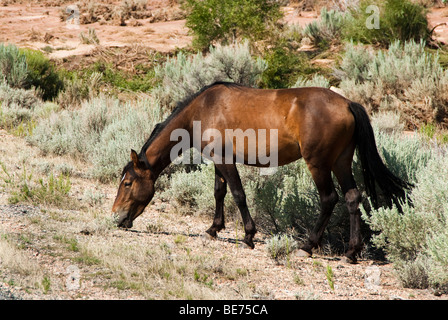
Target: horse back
<point>308,121</point>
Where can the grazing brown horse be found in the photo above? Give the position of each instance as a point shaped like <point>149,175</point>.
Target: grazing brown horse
<point>315,124</point>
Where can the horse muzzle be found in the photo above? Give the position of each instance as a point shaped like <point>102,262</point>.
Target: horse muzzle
<point>126,223</point>
<point>124,219</point>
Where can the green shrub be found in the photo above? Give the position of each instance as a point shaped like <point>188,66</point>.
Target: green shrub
<point>355,63</point>
<point>122,80</point>
<point>285,201</point>
<point>26,68</point>
<point>438,256</point>
<point>184,75</point>
<point>388,122</point>
<point>284,65</point>
<point>42,74</point>
<point>403,155</point>
<point>215,21</point>
<point>402,20</point>
<point>129,127</point>
<point>316,81</point>
<point>90,37</point>
<point>78,89</point>
<point>13,66</point>
<point>192,192</point>
<point>17,106</point>
<point>24,188</point>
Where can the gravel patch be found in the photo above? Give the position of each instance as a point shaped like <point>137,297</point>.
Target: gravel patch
<point>11,210</point>
<point>8,293</point>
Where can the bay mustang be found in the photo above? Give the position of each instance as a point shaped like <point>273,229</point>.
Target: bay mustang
<point>315,124</point>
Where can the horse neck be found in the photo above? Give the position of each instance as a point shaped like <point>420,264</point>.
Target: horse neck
<point>158,153</point>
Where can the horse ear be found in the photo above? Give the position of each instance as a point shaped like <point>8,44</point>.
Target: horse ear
<point>134,158</point>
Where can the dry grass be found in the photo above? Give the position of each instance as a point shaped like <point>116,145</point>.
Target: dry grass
<point>37,247</point>
<point>132,263</point>
<point>17,262</point>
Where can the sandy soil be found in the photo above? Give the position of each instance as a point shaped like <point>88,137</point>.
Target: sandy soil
<point>438,17</point>
<point>37,27</point>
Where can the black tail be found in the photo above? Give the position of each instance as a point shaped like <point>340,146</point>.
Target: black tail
<point>373,168</point>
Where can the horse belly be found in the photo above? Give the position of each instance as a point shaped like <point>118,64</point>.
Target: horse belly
<point>268,155</point>
<point>251,149</point>
<point>288,152</point>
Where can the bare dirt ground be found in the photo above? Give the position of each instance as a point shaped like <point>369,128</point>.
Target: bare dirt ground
<point>36,26</point>
<point>438,18</point>
<point>39,26</point>
<point>43,233</point>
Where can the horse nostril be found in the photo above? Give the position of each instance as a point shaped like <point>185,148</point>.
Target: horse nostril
<point>126,224</point>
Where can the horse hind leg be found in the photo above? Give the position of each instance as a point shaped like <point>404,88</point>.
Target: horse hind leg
<point>343,173</point>
<point>352,199</point>
<point>328,199</point>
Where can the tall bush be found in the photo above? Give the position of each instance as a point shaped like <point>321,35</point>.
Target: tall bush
<point>327,29</point>
<point>216,21</point>
<point>316,81</point>
<point>402,20</point>
<point>284,65</point>
<point>26,68</point>
<point>42,74</point>
<point>416,240</point>
<point>16,105</point>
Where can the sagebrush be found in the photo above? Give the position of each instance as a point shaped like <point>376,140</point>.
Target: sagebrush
<point>416,241</point>
<point>102,132</point>
<point>404,79</point>
<point>184,75</point>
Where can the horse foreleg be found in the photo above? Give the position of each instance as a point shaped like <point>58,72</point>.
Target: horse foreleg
<point>220,194</point>
<point>231,175</point>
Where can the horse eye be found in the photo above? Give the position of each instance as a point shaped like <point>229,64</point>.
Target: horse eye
<point>127,184</point>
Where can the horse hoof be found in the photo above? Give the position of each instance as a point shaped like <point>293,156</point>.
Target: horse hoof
<point>246,245</point>
<point>207,237</point>
<point>349,260</point>
<point>303,254</point>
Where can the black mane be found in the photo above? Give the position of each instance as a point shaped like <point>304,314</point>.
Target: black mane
<point>179,107</point>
